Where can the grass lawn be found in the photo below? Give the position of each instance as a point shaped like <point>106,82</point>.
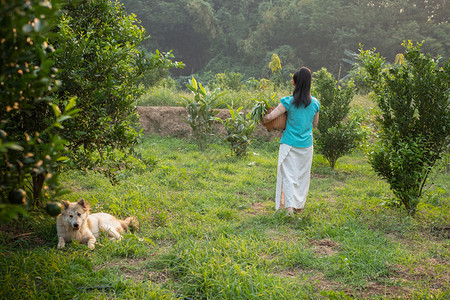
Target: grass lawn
<point>209,230</point>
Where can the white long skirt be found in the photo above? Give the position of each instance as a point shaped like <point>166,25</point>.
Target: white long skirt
<point>293,176</point>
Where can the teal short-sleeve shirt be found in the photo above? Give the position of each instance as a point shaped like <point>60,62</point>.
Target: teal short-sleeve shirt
<point>299,125</point>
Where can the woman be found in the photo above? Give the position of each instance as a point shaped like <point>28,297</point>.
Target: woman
<point>296,144</point>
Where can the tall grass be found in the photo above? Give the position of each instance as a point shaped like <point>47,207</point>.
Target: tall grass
<point>209,230</point>
<point>167,96</point>
<point>162,96</point>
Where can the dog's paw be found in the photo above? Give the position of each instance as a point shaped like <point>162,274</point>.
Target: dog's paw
<point>91,246</point>
<point>61,243</point>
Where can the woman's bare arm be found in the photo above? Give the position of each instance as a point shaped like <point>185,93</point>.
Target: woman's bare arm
<point>316,120</point>
<point>274,114</point>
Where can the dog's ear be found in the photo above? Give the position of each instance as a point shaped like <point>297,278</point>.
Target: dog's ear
<point>84,204</point>
<point>66,204</point>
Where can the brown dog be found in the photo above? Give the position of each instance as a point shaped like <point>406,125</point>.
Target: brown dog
<point>76,223</point>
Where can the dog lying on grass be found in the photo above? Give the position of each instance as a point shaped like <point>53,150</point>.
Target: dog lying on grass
<point>76,223</point>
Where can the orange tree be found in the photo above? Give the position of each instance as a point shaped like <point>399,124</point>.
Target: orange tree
<point>414,121</point>
<point>338,132</point>
<point>97,50</point>
<point>31,148</point>
<point>96,66</point>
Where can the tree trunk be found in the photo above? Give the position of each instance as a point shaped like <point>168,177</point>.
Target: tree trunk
<point>38,183</point>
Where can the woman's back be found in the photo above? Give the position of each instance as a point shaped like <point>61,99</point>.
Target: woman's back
<point>298,132</point>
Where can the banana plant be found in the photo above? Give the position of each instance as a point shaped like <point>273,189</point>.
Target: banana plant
<point>201,110</point>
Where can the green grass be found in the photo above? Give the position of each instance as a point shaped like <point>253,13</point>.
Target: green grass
<point>161,96</point>
<point>209,230</point>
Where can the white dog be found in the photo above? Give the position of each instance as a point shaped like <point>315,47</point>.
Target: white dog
<point>76,223</point>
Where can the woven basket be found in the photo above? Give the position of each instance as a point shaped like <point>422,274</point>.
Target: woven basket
<point>276,124</point>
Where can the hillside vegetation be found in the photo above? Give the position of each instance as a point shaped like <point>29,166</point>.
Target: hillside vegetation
<point>214,36</point>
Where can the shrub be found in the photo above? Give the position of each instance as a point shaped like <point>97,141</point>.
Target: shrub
<point>239,129</point>
<point>98,52</point>
<point>201,111</point>
<point>337,134</point>
<point>232,81</point>
<point>275,68</point>
<point>161,74</point>
<point>413,98</point>
<point>251,84</point>
<point>30,142</point>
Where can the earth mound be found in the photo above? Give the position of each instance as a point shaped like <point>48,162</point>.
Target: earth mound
<point>171,121</point>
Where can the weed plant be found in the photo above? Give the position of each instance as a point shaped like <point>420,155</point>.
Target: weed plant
<point>209,230</point>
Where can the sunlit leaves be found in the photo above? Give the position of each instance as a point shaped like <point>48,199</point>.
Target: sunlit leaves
<point>338,132</point>
<point>414,123</point>
<point>30,117</point>
<point>201,110</point>
<point>101,65</point>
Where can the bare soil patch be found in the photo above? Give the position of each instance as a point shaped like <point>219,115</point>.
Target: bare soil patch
<point>135,269</point>
<point>257,208</point>
<point>434,271</point>
<point>324,247</point>
<point>171,121</point>
<point>319,280</point>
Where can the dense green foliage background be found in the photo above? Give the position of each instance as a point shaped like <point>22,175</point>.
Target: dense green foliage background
<point>241,35</point>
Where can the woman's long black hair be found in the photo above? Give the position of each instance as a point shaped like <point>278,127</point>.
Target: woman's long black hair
<point>302,90</point>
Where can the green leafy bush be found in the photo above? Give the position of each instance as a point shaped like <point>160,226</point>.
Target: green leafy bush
<point>239,130</point>
<point>159,75</point>
<point>101,64</point>
<point>232,81</point>
<point>251,84</point>
<point>413,98</point>
<point>30,143</point>
<point>337,134</point>
<point>201,111</point>
<point>275,68</point>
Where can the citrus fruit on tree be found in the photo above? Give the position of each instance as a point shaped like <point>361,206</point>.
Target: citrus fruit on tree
<point>53,208</point>
<point>17,196</point>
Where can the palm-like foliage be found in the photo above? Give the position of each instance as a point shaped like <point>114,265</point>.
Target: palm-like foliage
<point>201,110</point>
